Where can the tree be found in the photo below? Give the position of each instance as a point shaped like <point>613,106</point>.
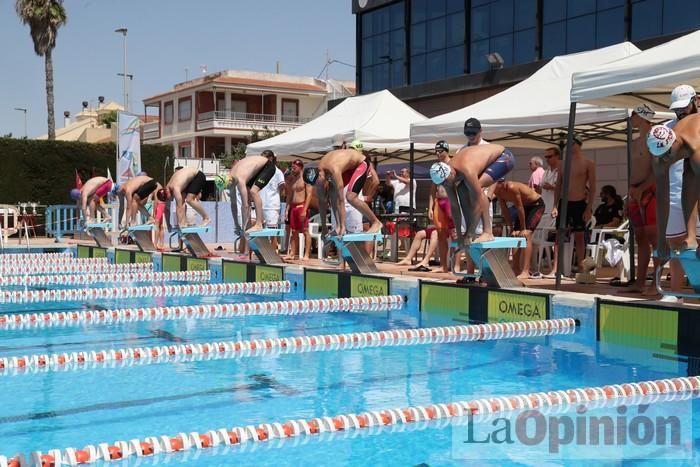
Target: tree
<point>44,17</point>
<point>109,118</point>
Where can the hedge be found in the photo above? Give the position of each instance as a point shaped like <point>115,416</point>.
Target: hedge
<point>44,171</point>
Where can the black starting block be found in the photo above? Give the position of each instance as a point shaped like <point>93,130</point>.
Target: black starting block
<point>141,235</point>
<point>259,243</point>
<point>491,258</point>
<point>350,248</point>
<point>98,231</point>
<point>691,265</point>
<point>189,236</point>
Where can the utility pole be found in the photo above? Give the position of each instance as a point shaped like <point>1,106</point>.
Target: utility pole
<point>24,110</point>
<point>123,32</point>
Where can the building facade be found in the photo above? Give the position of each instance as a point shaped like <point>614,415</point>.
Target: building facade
<point>205,118</point>
<point>434,54</point>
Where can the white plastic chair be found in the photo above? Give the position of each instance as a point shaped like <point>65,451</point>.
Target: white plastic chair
<point>315,232</point>
<point>595,247</point>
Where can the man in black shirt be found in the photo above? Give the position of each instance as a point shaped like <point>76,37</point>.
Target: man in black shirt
<point>609,213</point>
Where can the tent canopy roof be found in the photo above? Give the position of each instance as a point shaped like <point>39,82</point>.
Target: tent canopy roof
<point>380,120</point>
<point>534,113</point>
<point>647,76</point>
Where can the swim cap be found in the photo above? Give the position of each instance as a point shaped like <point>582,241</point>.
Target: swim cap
<point>75,194</point>
<point>162,195</point>
<point>356,145</point>
<point>310,175</point>
<point>439,172</point>
<point>442,145</point>
<point>660,140</point>
<point>221,182</point>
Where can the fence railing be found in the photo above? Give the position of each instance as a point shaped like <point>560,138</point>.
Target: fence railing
<point>252,117</point>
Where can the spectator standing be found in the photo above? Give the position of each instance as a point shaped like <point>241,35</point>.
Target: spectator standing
<point>549,178</point>
<point>537,175</point>
<point>403,196</point>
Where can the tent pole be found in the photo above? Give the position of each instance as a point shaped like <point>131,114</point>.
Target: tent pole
<point>633,269</point>
<point>411,166</point>
<point>564,198</point>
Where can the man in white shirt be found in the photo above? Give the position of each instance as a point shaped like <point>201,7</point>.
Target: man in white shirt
<point>549,180</point>
<point>271,198</point>
<point>402,195</point>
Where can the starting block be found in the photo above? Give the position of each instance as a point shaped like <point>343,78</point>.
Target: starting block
<point>491,258</point>
<point>691,265</point>
<point>141,235</point>
<point>354,254</point>
<point>193,242</point>
<point>98,231</point>
<point>259,243</point>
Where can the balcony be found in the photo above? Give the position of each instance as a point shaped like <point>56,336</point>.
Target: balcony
<point>151,130</point>
<point>224,119</point>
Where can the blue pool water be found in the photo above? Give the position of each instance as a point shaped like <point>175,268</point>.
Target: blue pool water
<point>59,409</point>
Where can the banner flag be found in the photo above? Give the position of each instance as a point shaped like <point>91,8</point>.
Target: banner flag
<point>128,146</point>
<point>78,181</point>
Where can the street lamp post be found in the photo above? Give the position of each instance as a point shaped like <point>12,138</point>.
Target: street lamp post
<point>21,109</point>
<point>123,32</point>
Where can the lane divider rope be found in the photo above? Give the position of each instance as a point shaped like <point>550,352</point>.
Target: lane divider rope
<point>71,268</point>
<point>88,278</point>
<point>30,262</point>
<point>362,421</point>
<point>164,290</point>
<point>226,350</point>
<point>82,318</point>
<point>14,256</point>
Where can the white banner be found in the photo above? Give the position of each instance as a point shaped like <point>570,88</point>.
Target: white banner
<point>128,147</point>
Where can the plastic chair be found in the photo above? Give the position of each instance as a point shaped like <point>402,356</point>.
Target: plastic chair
<point>595,247</point>
<point>315,232</point>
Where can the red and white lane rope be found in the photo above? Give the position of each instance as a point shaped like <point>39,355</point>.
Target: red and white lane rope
<point>164,290</point>
<point>189,352</point>
<point>72,268</point>
<point>83,318</point>
<point>16,256</point>
<point>89,278</point>
<point>365,420</point>
<point>31,262</point>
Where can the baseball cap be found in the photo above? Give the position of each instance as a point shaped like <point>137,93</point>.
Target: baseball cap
<point>644,111</point>
<point>472,125</point>
<point>442,144</point>
<point>681,96</point>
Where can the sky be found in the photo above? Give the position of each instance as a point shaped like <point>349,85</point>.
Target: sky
<point>164,37</point>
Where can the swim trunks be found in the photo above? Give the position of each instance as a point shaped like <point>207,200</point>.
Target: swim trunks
<point>146,189</point>
<point>442,214</point>
<point>295,220</point>
<point>643,213</point>
<point>104,189</point>
<point>574,215</point>
<point>196,185</point>
<point>354,179</point>
<point>533,215</point>
<point>263,177</point>
<point>501,166</point>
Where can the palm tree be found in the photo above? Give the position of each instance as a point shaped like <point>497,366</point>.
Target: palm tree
<point>44,17</point>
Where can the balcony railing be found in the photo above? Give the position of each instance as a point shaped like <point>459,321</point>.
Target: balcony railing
<point>151,130</point>
<point>209,167</point>
<point>247,120</point>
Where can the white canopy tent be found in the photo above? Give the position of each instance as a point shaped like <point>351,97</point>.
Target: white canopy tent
<point>379,120</point>
<point>648,76</point>
<point>535,112</point>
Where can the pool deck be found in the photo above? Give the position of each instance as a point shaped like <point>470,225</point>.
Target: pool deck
<point>601,288</point>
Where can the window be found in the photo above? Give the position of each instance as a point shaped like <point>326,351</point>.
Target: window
<point>168,113</point>
<point>290,110</point>
<point>185,150</point>
<point>383,47</point>
<point>239,106</point>
<point>576,25</point>
<point>661,17</point>
<point>507,27</point>
<point>184,109</point>
<point>437,39</point>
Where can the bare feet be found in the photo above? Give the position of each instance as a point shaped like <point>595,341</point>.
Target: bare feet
<point>634,288</point>
<point>523,275</point>
<point>484,237</point>
<point>404,262</point>
<point>306,258</point>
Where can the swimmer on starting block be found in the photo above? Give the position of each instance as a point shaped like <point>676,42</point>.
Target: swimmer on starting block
<point>247,177</point>
<point>471,170</point>
<point>91,193</point>
<point>337,170</point>
<point>134,194</point>
<point>185,186</point>
<point>669,146</point>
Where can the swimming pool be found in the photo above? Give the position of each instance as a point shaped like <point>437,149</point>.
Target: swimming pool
<point>74,405</point>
